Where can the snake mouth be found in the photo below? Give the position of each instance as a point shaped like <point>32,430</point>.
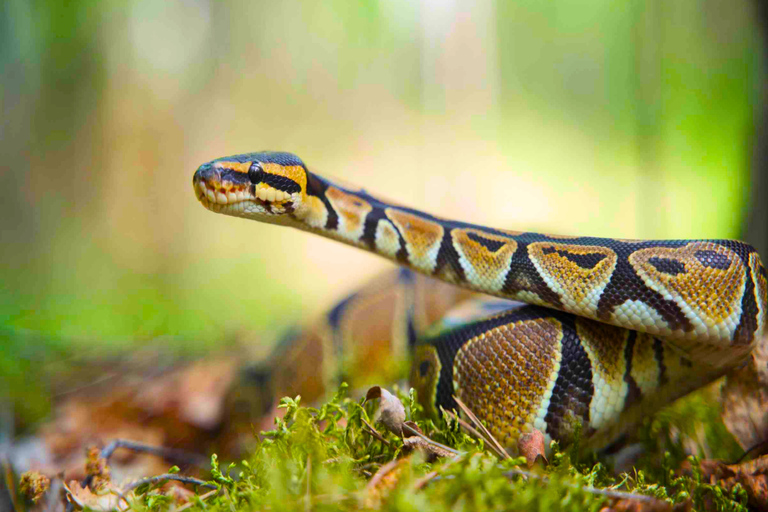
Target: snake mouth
<point>222,194</point>
<point>224,191</point>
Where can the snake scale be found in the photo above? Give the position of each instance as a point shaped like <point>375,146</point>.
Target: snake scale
<point>605,332</point>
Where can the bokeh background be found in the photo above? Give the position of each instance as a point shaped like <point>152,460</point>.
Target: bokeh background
<point>622,119</point>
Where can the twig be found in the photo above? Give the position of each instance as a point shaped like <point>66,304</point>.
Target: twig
<point>415,432</point>
<point>469,428</point>
<point>166,477</point>
<point>231,503</point>
<point>202,497</point>
<point>172,454</point>
<point>372,431</point>
<point>759,447</point>
<point>609,493</point>
<point>481,427</point>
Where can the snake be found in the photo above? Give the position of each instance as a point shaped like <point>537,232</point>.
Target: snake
<point>588,335</point>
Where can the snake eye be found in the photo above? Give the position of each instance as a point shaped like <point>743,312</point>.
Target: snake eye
<point>255,173</point>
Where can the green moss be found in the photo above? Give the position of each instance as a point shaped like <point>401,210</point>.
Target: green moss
<point>322,458</point>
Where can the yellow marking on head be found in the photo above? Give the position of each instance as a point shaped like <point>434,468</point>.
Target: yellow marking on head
<point>352,211</point>
<point>508,373</point>
<point>485,257</point>
<point>577,273</point>
<point>703,277</point>
<point>422,237</point>
<point>295,173</point>
<point>425,374</point>
<point>234,166</point>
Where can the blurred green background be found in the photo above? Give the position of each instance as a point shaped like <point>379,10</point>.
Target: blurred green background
<point>622,119</point>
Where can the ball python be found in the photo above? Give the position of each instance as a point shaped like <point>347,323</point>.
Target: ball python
<point>605,330</point>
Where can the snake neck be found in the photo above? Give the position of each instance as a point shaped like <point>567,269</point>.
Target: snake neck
<point>708,290</point>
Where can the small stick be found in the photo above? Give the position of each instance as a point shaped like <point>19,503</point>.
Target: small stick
<point>166,477</point>
<point>609,493</point>
<point>374,432</point>
<point>469,428</point>
<point>161,451</point>
<point>481,427</point>
<point>202,497</point>
<point>415,432</point>
<point>229,497</point>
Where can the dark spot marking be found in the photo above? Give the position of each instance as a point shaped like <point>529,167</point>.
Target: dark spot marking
<point>658,353</point>
<point>281,183</point>
<point>491,245</point>
<point>713,259</point>
<point>745,331</point>
<point>667,266</point>
<point>634,394</point>
<point>423,368</point>
<point>587,261</point>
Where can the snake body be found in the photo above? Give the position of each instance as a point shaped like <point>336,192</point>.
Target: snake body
<point>611,329</point>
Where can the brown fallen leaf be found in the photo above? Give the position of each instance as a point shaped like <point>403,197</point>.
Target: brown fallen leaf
<point>745,399</point>
<point>83,498</point>
<point>752,476</point>
<point>390,412</point>
<point>383,482</point>
<point>531,446</point>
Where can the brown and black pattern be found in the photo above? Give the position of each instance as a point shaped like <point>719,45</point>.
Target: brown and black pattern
<point>681,311</point>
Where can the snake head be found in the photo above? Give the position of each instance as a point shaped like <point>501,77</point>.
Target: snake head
<point>265,186</point>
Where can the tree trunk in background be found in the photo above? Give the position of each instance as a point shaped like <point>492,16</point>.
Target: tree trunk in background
<point>756,231</point>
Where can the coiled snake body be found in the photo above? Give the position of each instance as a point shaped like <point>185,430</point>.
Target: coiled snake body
<point>610,329</point>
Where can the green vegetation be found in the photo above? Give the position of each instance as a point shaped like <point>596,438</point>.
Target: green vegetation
<point>323,459</point>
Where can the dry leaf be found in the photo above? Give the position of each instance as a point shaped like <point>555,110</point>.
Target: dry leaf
<point>383,481</point>
<point>531,446</point>
<point>391,411</point>
<point>745,399</point>
<point>83,498</point>
<point>752,475</point>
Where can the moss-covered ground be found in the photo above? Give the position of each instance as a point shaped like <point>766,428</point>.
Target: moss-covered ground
<point>325,459</point>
